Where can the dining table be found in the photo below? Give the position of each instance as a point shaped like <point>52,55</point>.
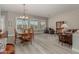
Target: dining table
<point>25,36</point>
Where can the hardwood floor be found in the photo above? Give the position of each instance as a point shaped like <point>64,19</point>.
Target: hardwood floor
<point>43,44</point>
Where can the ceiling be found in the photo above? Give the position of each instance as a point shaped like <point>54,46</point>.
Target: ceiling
<point>44,10</point>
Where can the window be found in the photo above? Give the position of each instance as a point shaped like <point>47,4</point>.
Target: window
<point>37,24</point>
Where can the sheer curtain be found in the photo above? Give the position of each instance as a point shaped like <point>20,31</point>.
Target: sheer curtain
<point>2,23</point>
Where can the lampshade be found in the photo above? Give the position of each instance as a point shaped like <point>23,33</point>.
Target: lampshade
<point>64,26</point>
<point>77,31</point>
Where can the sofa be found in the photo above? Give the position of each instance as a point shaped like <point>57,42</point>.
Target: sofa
<point>49,31</point>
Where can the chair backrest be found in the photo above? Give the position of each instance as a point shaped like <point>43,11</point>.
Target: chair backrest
<point>10,48</point>
<point>30,33</point>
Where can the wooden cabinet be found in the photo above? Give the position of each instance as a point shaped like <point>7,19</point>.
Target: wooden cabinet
<point>58,26</point>
<point>66,38</point>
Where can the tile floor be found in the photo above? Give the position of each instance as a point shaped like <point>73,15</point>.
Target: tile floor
<point>42,44</point>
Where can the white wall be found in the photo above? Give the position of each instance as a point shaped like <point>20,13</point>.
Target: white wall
<point>10,20</point>
<point>71,18</point>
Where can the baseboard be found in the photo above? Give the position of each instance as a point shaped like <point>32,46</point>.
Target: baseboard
<point>76,50</point>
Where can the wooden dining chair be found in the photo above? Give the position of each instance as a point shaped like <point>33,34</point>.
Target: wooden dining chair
<point>16,36</point>
<point>29,35</point>
<point>10,48</point>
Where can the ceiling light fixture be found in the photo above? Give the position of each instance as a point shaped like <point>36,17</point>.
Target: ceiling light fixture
<point>24,13</point>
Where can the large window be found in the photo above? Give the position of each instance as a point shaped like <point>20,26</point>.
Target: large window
<point>38,25</point>
<point>34,24</point>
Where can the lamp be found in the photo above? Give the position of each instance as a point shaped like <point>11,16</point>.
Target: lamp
<point>77,31</point>
<point>64,27</point>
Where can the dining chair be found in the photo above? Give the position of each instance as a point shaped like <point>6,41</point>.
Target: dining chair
<point>28,36</point>
<point>10,48</point>
<point>16,36</point>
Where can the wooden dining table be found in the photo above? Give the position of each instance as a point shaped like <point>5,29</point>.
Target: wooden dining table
<point>25,37</point>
